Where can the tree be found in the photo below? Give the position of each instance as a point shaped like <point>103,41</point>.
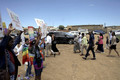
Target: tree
<point>61,27</point>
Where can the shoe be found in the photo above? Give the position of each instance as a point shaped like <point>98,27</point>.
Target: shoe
<point>108,55</point>
<point>47,55</point>
<point>51,54</point>
<point>93,59</point>
<point>44,59</point>
<point>54,55</point>
<point>27,78</point>
<point>84,58</point>
<point>88,54</point>
<point>81,54</point>
<point>31,75</point>
<point>59,53</point>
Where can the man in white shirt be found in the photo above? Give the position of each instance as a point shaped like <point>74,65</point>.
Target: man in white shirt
<point>48,44</point>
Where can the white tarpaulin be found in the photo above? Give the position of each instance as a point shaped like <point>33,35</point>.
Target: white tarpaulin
<point>39,22</point>
<point>1,27</point>
<point>15,20</point>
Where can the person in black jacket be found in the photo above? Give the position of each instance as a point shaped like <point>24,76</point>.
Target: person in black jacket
<point>6,46</point>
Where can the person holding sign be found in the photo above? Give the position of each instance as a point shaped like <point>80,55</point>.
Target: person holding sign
<point>38,59</point>
<point>15,20</point>
<point>6,48</point>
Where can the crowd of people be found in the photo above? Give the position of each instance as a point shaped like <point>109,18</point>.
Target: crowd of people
<point>33,53</point>
<point>81,42</point>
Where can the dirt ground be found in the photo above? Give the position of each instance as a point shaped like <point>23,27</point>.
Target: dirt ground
<point>71,66</point>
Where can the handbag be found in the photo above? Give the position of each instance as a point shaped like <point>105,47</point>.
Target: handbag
<point>54,42</point>
<point>4,73</point>
<point>97,43</point>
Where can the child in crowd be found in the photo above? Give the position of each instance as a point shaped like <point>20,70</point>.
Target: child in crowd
<point>26,59</point>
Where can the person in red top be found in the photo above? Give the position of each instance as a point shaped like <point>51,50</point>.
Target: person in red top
<point>100,44</point>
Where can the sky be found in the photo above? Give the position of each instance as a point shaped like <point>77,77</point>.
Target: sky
<point>63,12</point>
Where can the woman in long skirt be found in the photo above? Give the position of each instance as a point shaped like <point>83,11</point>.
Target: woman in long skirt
<point>54,48</point>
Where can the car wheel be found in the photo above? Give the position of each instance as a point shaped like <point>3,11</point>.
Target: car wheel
<point>70,41</point>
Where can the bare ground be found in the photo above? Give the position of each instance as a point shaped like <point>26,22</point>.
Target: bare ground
<point>71,66</point>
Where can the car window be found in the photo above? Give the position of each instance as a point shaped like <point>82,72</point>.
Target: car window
<point>56,34</point>
<point>68,34</point>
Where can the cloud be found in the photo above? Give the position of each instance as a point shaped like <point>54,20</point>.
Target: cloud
<point>91,5</point>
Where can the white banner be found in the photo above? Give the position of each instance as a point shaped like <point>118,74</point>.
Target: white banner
<point>44,31</point>
<point>1,27</point>
<point>43,27</point>
<point>39,22</point>
<point>23,38</point>
<point>15,20</point>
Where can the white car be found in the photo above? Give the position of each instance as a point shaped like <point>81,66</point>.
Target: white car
<point>117,32</point>
<point>85,31</point>
<point>74,32</point>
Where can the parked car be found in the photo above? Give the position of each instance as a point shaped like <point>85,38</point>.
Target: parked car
<point>98,32</point>
<point>63,37</point>
<point>85,31</point>
<point>74,32</point>
<point>117,32</point>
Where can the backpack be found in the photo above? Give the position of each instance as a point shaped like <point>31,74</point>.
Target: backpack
<point>117,40</point>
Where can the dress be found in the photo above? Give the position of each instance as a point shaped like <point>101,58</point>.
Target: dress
<point>54,48</point>
<point>113,43</point>
<point>100,44</point>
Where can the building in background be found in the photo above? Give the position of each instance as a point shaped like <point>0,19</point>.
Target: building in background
<point>89,27</point>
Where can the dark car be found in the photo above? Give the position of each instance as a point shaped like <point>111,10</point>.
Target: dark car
<point>98,32</point>
<point>63,37</point>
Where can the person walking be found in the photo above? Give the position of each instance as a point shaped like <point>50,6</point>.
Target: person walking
<point>54,48</point>
<point>76,44</point>
<point>83,43</point>
<point>113,44</point>
<point>48,44</point>
<point>91,46</point>
<point>100,44</point>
